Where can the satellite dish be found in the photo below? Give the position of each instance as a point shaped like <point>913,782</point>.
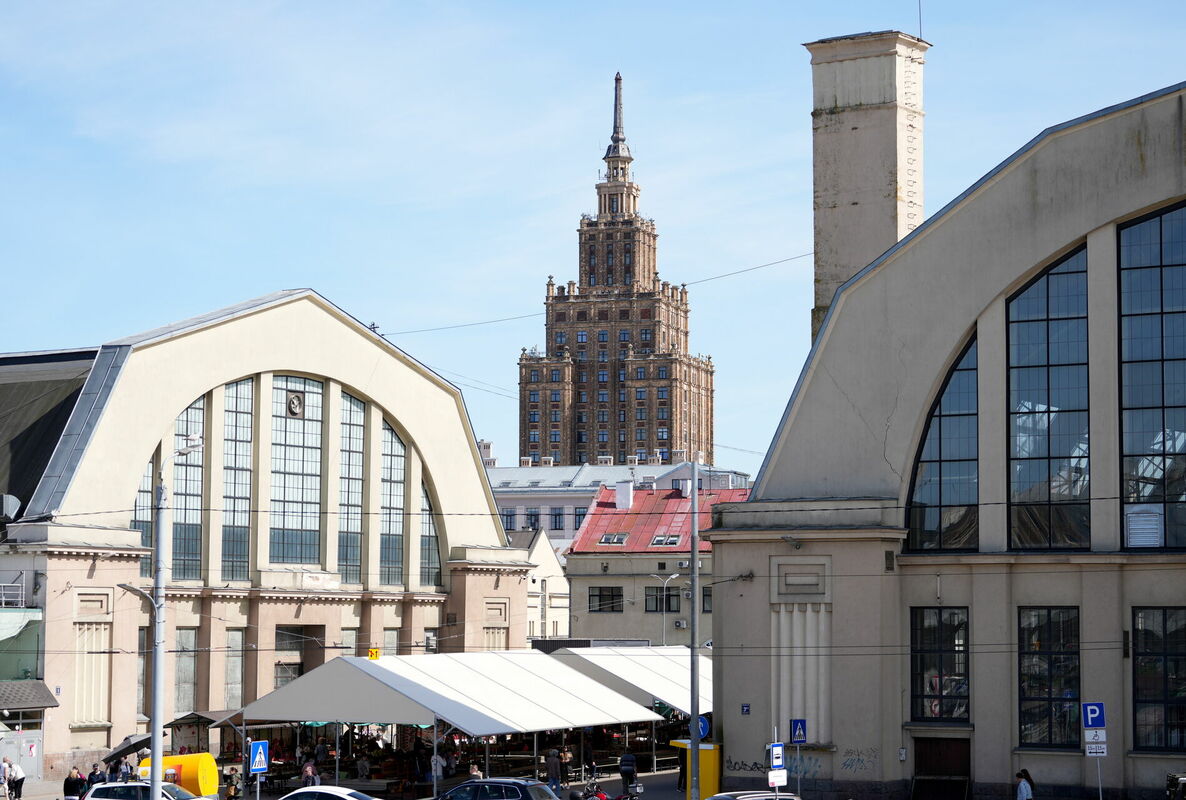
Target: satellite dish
<point>9,506</point>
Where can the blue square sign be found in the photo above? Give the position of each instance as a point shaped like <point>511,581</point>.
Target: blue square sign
<point>257,761</point>
<point>798,731</point>
<point>1093,715</point>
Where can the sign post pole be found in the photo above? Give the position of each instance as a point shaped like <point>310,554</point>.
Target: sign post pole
<point>1096,737</point>
<point>257,760</point>
<point>798,737</point>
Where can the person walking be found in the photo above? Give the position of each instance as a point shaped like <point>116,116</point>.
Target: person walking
<point>234,783</point>
<point>1025,785</point>
<point>125,770</point>
<point>475,774</point>
<point>309,776</point>
<point>552,771</point>
<point>628,769</point>
<point>16,778</point>
<point>96,775</point>
<point>74,786</point>
<point>565,766</point>
<point>587,760</point>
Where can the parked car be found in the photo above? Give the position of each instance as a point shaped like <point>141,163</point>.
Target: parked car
<point>325,793</point>
<point>500,789</point>
<point>755,794</point>
<point>135,790</point>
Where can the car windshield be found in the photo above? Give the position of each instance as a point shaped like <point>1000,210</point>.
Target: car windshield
<point>176,792</point>
<point>539,791</point>
<point>359,796</point>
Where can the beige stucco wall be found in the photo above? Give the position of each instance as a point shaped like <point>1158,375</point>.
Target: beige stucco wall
<point>849,442</point>
<point>633,574</point>
<point>87,549</point>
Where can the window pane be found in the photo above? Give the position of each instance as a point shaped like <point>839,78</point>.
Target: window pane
<point>1068,388</point>
<point>1140,245</point>
<point>1173,289</point>
<point>960,397</point>
<point>1140,291</point>
<point>1141,337</point>
<point>1030,304</point>
<point>958,438</point>
<point>1068,341</point>
<point>1027,343</point>
<point>1028,389</point>
<point>1141,385</point>
<point>1068,295</point>
<point>959,527</point>
<point>1030,525</point>
<point>1142,431</point>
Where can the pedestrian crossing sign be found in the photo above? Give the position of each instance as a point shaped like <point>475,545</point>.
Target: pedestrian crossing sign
<point>373,653</point>
<point>258,757</point>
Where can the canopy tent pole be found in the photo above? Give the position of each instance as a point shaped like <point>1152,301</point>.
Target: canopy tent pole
<point>337,754</point>
<point>654,762</point>
<point>432,766</point>
<point>535,755</point>
<point>487,757</point>
<point>583,778</point>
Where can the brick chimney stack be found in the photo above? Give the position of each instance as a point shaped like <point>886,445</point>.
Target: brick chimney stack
<point>867,138</point>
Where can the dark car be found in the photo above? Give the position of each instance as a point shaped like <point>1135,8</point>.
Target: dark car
<point>755,794</point>
<point>500,789</point>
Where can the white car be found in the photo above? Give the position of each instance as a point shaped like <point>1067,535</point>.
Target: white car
<point>135,790</point>
<point>325,793</point>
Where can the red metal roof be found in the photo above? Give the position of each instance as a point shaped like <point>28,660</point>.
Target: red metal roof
<point>653,512</point>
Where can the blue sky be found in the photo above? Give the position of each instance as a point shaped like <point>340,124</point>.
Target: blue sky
<point>425,164</point>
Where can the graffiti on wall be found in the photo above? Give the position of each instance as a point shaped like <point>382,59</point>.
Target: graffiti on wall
<point>807,766</point>
<point>859,759</point>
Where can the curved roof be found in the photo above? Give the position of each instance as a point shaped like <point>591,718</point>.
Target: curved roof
<point>851,424</point>
<point>107,363</point>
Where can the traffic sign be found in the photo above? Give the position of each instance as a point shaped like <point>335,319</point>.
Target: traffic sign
<point>776,753</point>
<point>258,759</point>
<point>701,724</point>
<point>776,777</point>
<point>1097,750</point>
<point>1095,736</point>
<point>1093,715</point>
<point>798,731</point>
<point>373,653</point>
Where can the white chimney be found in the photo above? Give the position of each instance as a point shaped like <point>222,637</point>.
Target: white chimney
<point>623,494</point>
<point>525,461</point>
<point>605,461</point>
<point>679,456</point>
<point>867,117</point>
<point>546,461</point>
<point>632,461</point>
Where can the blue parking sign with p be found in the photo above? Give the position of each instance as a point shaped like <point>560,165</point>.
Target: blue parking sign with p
<point>1093,715</point>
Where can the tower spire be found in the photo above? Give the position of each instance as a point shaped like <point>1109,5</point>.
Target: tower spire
<point>618,147</point>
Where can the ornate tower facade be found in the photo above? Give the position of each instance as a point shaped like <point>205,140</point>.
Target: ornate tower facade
<point>615,382</point>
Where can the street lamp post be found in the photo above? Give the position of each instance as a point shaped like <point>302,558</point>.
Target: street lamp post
<point>663,601</point>
<point>193,442</point>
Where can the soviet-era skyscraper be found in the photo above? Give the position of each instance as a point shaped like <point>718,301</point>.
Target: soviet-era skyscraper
<point>615,380</point>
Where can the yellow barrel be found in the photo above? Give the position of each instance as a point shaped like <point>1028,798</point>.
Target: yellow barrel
<point>196,772</point>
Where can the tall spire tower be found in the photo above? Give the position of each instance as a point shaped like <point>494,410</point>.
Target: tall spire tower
<point>615,382</point>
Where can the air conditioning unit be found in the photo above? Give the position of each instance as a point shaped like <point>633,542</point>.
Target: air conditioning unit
<point>681,623</point>
<point>684,564</point>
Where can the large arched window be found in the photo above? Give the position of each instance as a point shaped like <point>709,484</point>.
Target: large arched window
<point>187,493</point>
<point>391,512</point>
<point>238,435</point>
<point>430,546</point>
<point>296,471</point>
<point>1049,468</point>
<point>1153,379</point>
<point>350,490</point>
<point>942,513</point>
<point>314,423</point>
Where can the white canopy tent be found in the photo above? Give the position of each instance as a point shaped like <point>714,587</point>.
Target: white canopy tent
<point>644,674</point>
<point>482,694</point>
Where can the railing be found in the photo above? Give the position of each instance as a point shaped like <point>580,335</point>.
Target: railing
<point>12,595</point>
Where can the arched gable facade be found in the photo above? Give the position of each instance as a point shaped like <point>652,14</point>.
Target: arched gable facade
<point>337,505</point>
<point>972,518</point>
